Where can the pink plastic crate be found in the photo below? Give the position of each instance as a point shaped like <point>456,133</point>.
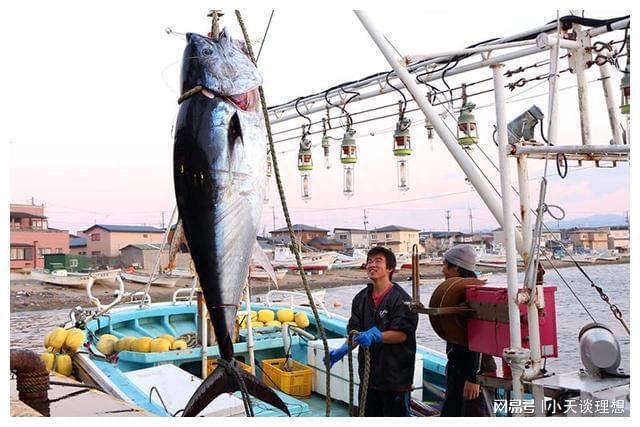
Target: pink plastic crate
<point>492,337</point>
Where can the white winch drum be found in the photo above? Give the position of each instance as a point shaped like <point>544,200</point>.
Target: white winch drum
<point>599,349</point>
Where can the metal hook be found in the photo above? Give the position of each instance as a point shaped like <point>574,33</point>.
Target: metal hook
<point>303,116</point>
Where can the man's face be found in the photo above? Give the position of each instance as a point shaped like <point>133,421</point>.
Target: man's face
<point>449,271</point>
<point>377,267</point>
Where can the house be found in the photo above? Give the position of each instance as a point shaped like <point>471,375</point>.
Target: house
<point>397,238</point>
<point>324,244</point>
<point>619,238</point>
<point>30,233</point>
<point>590,238</point>
<point>353,238</point>
<point>303,232</point>
<point>107,240</point>
<point>77,245</point>
<point>144,255</point>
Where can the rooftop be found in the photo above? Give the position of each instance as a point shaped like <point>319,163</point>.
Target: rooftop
<point>126,228</point>
<point>77,242</point>
<point>393,228</point>
<point>300,227</point>
<point>144,246</point>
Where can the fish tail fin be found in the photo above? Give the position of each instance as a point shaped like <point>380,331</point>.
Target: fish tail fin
<point>222,380</point>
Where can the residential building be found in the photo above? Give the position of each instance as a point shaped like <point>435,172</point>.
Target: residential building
<point>303,232</point>
<point>324,244</point>
<point>353,238</point>
<point>107,240</point>
<point>397,238</point>
<point>590,238</point>
<point>30,233</point>
<point>144,255</point>
<point>619,238</point>
<point>77,245</point>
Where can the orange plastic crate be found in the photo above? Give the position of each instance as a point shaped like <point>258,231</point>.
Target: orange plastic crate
<point>295,383</point>
<point>213,364</point>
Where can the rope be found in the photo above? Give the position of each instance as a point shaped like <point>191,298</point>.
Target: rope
<point>188,94</point>
<point>364,383</point>
<point>296,249</point>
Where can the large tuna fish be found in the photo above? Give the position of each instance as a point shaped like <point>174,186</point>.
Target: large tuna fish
<point>220,174</point>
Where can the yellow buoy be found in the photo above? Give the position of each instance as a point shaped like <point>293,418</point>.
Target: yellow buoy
<point>58,336</point>
<point>159,345</point>
<point>254,315</point>
<point>337,304</point>
<point>274,323</point>
<point>265,316</point>
<point>48,359</point>
<point>108,337</point>
<point>167,337</point>
<point>302,320</point>
<point>64,365</point>
<point>106,347</point>
<point>74,340</point>
<point>285,315</point>
<point>257,324</point>
<point>179,345</point>
<point>47,340</point>
<point>141,345</point>
<point>124,344</point>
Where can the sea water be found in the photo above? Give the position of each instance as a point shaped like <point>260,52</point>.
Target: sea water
<point>27,329</point>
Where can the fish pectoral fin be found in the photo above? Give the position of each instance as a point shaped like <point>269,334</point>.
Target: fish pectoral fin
<point>222,381</point>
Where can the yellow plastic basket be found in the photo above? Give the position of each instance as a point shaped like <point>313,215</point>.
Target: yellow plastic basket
<point>296,382</point>
<point>213,364</point>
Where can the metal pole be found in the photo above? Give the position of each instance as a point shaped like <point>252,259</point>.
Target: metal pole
<point>467,166</point>
<point>277,117</point>
<point>525,206</point>
<point>580,58</point>
<point>252,357</point>
<point>610,97</point>
<point>509,228</point>
<point>204,339</point>
<point>520,150</point>
<point>552,130</point>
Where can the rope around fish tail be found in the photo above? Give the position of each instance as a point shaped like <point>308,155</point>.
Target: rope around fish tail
<point>283,200</point>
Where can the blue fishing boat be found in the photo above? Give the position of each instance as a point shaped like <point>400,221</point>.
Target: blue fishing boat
<point>162,382</point>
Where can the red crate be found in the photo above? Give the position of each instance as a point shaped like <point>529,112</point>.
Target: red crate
<point>492,336</point>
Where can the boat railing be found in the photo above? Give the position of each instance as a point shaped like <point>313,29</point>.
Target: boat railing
<point>178,297</point>
<point>277,297</point>
<point>101,308</point>
<point>138,297</point>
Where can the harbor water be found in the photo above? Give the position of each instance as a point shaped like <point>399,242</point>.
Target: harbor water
<point>28,328</point>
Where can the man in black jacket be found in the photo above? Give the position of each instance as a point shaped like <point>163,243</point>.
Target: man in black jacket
<point>388,329</point>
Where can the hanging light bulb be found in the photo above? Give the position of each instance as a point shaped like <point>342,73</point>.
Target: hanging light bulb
<point>348,158</point>
<point>402,151</point>
<point>428,125</point>
<point>269,174</point>
<point>467,127</point>
<point>305,166</point>
<point>326,140</point>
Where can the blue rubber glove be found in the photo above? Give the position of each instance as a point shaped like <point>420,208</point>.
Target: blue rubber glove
<point>366,338</point>
<point>337,354</point>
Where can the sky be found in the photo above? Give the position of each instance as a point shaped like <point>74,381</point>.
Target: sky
<point>92,100</point>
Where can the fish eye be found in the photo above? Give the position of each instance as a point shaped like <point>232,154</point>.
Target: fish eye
<point>207,51</point>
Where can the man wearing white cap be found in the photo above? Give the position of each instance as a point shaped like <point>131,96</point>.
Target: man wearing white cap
<point>463,397</point>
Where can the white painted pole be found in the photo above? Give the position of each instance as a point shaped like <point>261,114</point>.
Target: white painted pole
<point>450,141</point>
<point>278,116</point>
<point>580,62</point>
<point>508,224</point>
<point>611,98</point>
<point>252,357</point>
<point>552,115</point>
<point>204,323</point>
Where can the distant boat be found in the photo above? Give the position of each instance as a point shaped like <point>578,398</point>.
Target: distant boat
<point>346,261</point>
<point>259,274</point>
<point>72,279</point>
<point>140,277</point>
<point>182,273</point>
<point>283,258</point>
